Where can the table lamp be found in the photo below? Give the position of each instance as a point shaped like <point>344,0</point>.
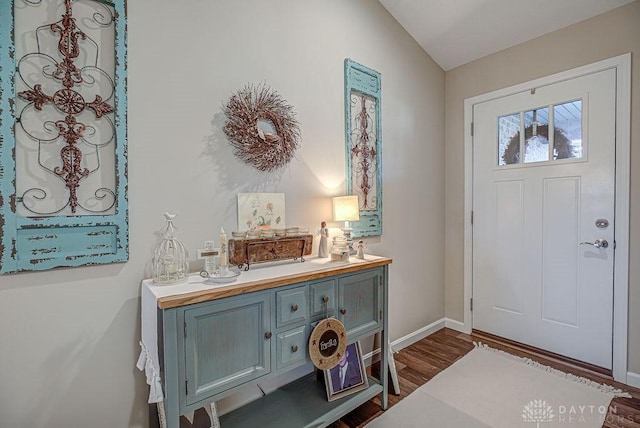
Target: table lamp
<point>346,208</point>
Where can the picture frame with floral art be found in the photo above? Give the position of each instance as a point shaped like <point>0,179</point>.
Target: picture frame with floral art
<point>261,211</point>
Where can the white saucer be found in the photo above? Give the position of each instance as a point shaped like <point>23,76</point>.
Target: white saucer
<point>231,276</point>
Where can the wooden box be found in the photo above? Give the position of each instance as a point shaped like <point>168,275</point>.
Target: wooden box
<point>249,251</point>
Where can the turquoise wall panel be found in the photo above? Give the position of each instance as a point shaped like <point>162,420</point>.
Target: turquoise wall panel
<point>364,154</point>
<point>39,242</point>
<point>7,139</point>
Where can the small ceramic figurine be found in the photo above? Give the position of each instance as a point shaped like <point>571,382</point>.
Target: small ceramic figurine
<point>323,248</point>
<point>360,253</point>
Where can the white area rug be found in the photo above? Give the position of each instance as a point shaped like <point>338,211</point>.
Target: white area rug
<point>490,388</point>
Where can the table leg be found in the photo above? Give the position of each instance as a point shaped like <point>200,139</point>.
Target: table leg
<point>395,384</point>
<point>213,415</point>
<point>393,374</point>
<point>162,417</point>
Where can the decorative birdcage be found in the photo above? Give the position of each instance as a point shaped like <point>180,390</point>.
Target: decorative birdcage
<point>170,265</point>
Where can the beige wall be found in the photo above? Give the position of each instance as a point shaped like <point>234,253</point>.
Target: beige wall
<point>602,37</point>
<point>69,337</point>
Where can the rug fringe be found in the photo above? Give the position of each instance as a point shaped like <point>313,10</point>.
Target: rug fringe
<point>578,379</point>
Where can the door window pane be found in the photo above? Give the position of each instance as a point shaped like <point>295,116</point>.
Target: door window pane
<point>509,139</point>
<point>536,135</point>
<point>567,120</point>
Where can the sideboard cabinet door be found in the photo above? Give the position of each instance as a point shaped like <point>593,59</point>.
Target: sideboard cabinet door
<point>227,344</point>
<point>360,302</point>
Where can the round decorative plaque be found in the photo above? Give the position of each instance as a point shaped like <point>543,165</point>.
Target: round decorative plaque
<point>327,343</point>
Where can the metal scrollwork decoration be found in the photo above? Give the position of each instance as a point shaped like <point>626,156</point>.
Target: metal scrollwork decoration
<point>363,150</point>
<point>261,127</point>
<point>70,106</point>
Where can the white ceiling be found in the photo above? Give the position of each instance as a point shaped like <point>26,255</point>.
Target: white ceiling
<point>455,32</point>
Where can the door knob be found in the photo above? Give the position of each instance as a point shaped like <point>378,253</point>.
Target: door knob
<point>598,243</point>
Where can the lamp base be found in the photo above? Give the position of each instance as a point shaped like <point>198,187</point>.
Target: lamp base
<point>347,235</point>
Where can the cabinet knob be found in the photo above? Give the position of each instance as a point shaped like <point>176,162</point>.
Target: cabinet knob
<point>294,348</point>
<point>268,335</point>
<point>294,308</point>
<point>343,311</point>
<point>325,299</point>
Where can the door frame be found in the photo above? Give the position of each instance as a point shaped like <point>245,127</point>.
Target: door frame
<point>622,65</point>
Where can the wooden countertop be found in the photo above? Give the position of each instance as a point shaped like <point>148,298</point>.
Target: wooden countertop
<point>259,277</point>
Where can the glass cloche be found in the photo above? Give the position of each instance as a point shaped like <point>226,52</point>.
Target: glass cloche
<point>169,264</point>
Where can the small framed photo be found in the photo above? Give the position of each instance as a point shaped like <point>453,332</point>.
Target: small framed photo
<point>348,376</point>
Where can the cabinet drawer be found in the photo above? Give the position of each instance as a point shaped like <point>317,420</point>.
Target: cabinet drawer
<point>321,291</point>
<point>291,306</point>
<point>291,349</point>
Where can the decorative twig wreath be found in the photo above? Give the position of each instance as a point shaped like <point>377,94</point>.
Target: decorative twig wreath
<point>263,150</point>
<point>561,143</point>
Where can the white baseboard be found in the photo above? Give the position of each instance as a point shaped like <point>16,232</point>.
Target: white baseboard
<point>417,335</point>
<point>454,325</point>
<point>407,340</point>
<point>633,379</point>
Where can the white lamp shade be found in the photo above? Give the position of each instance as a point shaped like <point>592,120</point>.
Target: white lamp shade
<point>346,208</point>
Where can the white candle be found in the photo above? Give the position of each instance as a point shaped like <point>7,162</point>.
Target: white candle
<point>223,247</point>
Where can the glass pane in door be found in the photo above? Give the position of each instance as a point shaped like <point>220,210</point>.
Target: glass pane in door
<point>536,134</point>
<point>509,139</point>
<point>567,119</point>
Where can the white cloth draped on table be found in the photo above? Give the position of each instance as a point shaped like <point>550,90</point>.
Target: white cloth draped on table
<point>146,364</point>
<point>148,360</point>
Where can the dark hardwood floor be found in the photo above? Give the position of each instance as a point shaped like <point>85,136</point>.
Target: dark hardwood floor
<point>418,363</point>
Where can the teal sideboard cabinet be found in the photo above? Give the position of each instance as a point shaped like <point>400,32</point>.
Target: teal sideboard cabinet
<point>211,340</point>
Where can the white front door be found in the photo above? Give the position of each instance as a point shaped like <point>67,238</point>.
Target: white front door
<point>543,189</point>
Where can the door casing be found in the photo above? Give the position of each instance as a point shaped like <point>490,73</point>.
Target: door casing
<point>622,64</point>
